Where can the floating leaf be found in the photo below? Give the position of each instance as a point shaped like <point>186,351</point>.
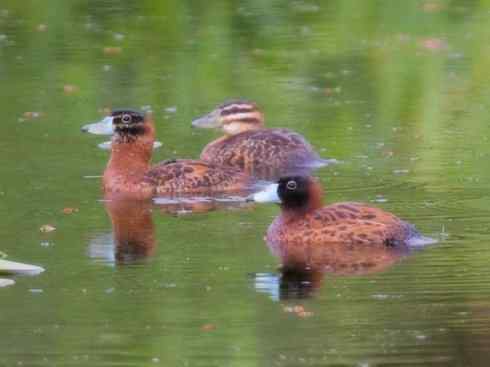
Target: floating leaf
<point>10,267</point>
<point>30,115</point>
<point>69,89</point>
<point>6,282</point>
<point>47,228</point>
<point>42,27</point>
<point>112,51</point>
<point>70,210</point>
<point>208,327</point>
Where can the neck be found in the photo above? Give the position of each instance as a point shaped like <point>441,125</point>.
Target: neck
<point>130,159</point>
<point>292,213</point>
<point>313,203</point>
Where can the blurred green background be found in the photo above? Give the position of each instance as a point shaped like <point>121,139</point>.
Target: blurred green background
<point>396,90</point>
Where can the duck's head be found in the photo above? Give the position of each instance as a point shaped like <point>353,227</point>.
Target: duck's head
<point>129,125</point>
<point>233,117</point>
<point>106,126</point>
<point>293,193</point>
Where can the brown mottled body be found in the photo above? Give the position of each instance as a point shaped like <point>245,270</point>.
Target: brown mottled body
<point>129,173</point>
<point>263,153</point>
<point>343,238</point>
<point>195,177</point>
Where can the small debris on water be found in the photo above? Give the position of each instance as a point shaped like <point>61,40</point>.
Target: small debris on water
<point>119,36</point>
<point>208,327</point>
<point>106,111</point>
<point>380,199</point>
<point>432,6</point>
<point>11,267</point>
<point>46,228</point>
<point>112,51</point>
<point>42,27</point>
<point>70,210</point>
<point>6,282</point>
<point>380,296</point>
<point>31,115</point>
<point>433,44</point>
<point>298,310</point>
<point>70,89</point>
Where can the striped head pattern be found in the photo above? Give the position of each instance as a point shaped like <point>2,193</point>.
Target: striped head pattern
<point>233,117</point>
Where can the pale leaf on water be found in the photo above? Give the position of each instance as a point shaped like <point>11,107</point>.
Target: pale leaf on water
<point>11,267</point>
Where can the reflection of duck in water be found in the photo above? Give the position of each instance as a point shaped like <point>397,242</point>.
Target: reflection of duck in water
<point>132,228</point>
<point>345,238</point>
<point>129,173</point>
<point>133,232</point>
<point>248,145</point>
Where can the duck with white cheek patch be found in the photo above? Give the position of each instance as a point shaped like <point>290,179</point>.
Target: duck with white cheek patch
<point>344,237</point>
<point>129,172</point>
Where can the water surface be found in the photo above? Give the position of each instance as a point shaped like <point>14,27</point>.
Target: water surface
<point>398,91</point>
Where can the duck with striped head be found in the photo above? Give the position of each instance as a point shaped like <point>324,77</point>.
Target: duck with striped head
<point>248,145</point>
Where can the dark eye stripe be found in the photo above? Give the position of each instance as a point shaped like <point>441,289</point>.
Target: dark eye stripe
<point>236,110</point>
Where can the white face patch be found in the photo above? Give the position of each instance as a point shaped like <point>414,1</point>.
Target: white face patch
<point>268,195</point>
<point>233,128</point>
<point>103,127</point>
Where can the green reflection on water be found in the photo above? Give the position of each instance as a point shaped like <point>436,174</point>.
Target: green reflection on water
<point>397,90</point>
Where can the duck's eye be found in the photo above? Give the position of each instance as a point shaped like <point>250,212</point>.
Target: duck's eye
<point>126,118</point>
<point>291,185</point>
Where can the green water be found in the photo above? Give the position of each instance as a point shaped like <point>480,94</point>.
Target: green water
<point>397,90</point>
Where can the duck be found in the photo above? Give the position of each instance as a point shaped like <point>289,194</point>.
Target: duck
<point>344,238</point>
<point>266,153</point>
<point>130,174</point>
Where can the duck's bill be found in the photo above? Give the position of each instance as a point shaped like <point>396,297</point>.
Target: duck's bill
<point>209,121</point>
<point>267,195</point>
<point>103,127</point>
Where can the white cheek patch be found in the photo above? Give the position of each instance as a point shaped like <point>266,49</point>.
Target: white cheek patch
<point>233,128</point>
<point>103,127</point>
<point>268,195</point>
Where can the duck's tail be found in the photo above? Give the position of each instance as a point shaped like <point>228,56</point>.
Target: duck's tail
<point>415,239</point>
<point>320,162</point>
